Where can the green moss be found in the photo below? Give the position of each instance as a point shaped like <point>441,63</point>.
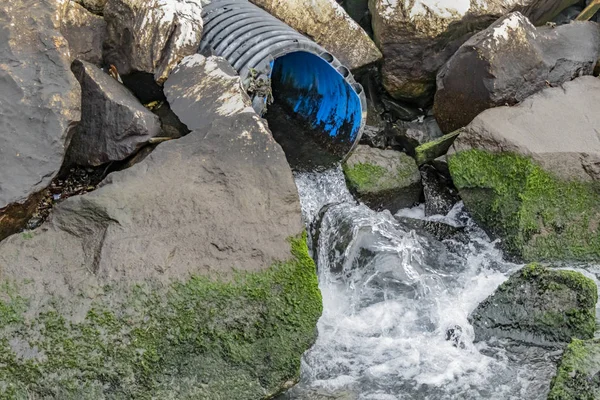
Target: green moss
<point>429,151</point>
<point>27,235</point>
<point>539,216</point>
<point>577,376</point>
<point>559,286</point>
<point>364,177</point>
<point>199,339</point>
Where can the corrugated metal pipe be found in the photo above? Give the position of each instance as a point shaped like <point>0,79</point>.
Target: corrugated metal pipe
<point>279,65</point>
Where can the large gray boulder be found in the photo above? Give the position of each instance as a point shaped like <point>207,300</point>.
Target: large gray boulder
<point>180,277</point>
<point>114,124</point>
<point>328,24</point>
<point>531,173</point>
<point>39,106</point>
<point>84,31</point>
<point>418,37</point>
<point>508,62</point>
<point>539,306</point>
<point>151,35</point>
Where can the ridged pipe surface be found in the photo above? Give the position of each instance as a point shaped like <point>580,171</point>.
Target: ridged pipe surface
<point>307,80</point>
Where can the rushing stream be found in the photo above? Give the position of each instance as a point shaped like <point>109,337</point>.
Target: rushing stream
<point>396,303</point>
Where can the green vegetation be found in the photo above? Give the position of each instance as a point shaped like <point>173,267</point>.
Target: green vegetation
<point>429,151</point>
<point>240,338</point>
<point>578,376</point>
<point>370,178</point>
<point>539,305</point>
<point>364,177</point>
<point>561,284</point>
<point>539,216</point>
<point>27,235</point>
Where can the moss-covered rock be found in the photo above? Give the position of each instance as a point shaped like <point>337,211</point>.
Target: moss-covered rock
<point>202,338</point>
<point>427,152</point>
<point>383,179</point>
<point>539,306</point>
<point>578,375</point>
<point>539,216</point>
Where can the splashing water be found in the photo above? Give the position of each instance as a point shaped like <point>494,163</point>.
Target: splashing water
<point>396,304</point>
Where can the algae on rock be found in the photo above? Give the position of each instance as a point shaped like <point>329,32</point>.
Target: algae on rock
<point>201,338</point>
<point>539,216</point>
<point>539,306</point>
<point>578,375</point>
<point>383,179</point>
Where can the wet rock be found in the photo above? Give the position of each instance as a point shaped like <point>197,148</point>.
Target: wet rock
<point>328,24</point>
<point>143,267</point>
<point>510,61</point>
<point>85,33</point>
<point>114,124</point>
<point>418,37</point>
<point>427,152</point>
<point>374,137</point>
<point>539,306</point>
<point>39,106</point>
<point>411,135</point>
<point>401,111</point>
<point>440,194</point>
<point>528,183</point>
<point>578,375</point>
<point>437,230</point>
<point>151,35</point>
<point>94,6</point>
<point>454,335</point>
<point>383,179</point>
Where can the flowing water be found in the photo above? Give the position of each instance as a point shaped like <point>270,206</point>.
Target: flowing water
<point>396,303</point>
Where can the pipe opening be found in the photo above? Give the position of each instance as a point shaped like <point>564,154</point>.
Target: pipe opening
<point>316,114</point>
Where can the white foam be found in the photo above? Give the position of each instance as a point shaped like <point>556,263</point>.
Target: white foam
<point>386,312</point>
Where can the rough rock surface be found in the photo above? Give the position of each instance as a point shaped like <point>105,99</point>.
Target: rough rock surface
<point>411,135</point>
<point>578,375</point>
<point>418,37</point>
<point>440,195</point>
<point>429,151</point>
<point>328,24</point>
<point>114,124</point>
<point>39,106</point>
<point>383,179</point>
<point>556,127</point>
<point>531,173</point>
<point>151,35</point>
<point>510,61</point>
<point>85,33</point>
<point>129,291</point>
<point>539,306</point>
<point>94,6</point>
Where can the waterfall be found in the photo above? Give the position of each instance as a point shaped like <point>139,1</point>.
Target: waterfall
<point>396,305</point>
